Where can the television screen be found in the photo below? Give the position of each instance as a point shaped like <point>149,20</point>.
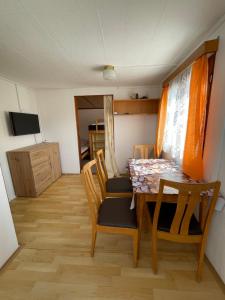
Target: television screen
<point>24,123</point>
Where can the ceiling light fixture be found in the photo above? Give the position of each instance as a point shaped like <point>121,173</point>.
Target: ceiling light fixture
<point>109,72</point>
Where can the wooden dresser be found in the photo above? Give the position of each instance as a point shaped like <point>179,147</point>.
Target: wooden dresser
<point>34,168</point>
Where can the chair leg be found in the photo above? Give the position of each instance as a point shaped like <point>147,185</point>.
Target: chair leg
<point>136,247</point>
<point>200,261</point>
<point>154,253</point>
<point>93,240</point>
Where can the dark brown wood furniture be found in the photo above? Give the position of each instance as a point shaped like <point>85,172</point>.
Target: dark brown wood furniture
<point>110,215</point>
<point>34,168</point>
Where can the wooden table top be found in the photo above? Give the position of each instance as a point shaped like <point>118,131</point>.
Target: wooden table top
<point>146,174</point>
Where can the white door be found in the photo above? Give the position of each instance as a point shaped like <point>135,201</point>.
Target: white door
<point>8,239</point>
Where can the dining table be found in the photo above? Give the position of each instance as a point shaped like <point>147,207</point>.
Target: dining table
<point>145,175</point>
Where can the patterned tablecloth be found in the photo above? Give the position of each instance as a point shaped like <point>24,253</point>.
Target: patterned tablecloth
<point>146,173</point>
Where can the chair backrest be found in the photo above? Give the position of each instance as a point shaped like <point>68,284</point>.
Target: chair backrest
<point>188,199</point>
<point>101,170</point>
<point>94,198</point>
<point>143,151</point>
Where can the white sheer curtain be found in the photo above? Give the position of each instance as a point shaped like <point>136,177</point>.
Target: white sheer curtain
<point>177,115</point>
<point>110,159</point>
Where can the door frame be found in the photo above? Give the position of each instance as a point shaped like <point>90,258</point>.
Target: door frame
<point>78,120</point>
<point>77,128</point>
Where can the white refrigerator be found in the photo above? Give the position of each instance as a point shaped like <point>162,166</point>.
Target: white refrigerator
<point>8,239</point>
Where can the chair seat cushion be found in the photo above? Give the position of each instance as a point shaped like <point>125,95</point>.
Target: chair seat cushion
<point>119,185</point>
<point>116,212</point>
<point>166,215</point>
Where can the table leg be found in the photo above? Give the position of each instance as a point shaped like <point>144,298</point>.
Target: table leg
<point>142,213</point>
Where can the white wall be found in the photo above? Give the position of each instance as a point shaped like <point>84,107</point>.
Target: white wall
<point>56,107</point>
<point>58,123</point>
<point>87,117</point>
<point>130,130</point>
<point>222,165</point>
<point>9,102</point>
<point>214,136</point>
<point>214,156</point>
<point>216,243</point>
<point>8,239</point>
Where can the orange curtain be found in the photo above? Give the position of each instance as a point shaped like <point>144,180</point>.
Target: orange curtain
<point>193,149</point>
<point>161,121</point>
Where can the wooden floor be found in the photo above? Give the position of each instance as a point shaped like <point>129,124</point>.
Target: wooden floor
<point>54,261</point>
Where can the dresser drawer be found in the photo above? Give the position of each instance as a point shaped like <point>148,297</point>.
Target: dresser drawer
<point>55,161</point>
<point>42,176</point>
<point>39,157</point>
<point>34,168</point>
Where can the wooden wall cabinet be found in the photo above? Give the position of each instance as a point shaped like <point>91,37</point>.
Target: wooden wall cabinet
<point>34,168</point>
<point>129,107</point>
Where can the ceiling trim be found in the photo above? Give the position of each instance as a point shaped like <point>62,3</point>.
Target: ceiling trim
<point>207,47</point>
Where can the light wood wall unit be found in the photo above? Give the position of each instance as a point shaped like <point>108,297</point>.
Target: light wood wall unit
<point>129,107</point>
<point>34,168</point>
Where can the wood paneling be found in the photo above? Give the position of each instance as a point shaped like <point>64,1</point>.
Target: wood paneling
<point>90,102</point>
<point>34,168</point>
<point>123,107</point>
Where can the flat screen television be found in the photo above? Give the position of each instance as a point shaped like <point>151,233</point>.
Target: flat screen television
<point>24,123</point>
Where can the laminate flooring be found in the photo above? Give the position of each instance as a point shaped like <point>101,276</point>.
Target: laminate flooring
<point>54,263</point>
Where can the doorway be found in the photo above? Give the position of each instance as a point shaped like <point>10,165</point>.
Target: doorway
<point>90,126</point>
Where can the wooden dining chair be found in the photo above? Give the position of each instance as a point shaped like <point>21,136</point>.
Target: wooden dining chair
<point>144,151</point>
<point>177,222</point>
<point>112,187</point>
<point>112,215</point>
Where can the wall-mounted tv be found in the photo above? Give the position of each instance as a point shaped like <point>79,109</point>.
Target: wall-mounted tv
<point>24,123</point>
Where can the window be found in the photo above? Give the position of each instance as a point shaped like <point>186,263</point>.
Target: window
<point>177,116</point>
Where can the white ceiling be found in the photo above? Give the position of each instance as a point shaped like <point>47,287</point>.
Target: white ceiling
<point>65,43</point>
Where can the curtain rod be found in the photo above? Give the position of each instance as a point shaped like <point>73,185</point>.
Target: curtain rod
<point>207,47</point>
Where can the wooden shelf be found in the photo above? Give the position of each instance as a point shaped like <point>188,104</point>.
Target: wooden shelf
<point>131,107</point>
